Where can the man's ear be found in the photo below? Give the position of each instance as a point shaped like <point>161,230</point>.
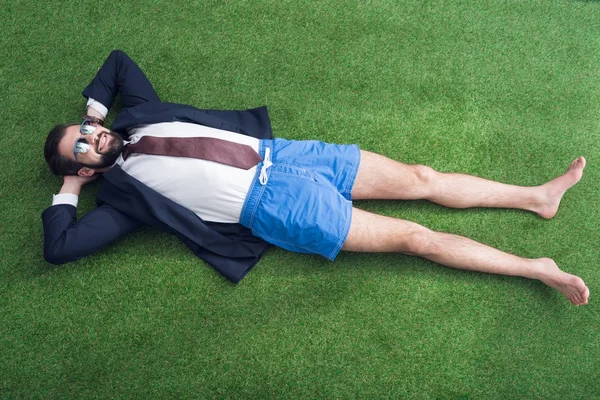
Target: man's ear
<point>86,172</point>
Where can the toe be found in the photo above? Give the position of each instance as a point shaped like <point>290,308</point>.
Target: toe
<point>579,162</point>
<point>575,302</point>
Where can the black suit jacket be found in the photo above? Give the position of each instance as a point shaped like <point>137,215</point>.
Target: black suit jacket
<point>124,203</point>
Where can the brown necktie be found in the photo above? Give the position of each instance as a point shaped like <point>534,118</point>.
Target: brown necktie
<point>206,148</point>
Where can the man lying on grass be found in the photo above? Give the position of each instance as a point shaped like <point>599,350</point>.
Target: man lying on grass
<point>221,183</point>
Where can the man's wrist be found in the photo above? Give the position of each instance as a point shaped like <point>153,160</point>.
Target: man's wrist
<point>65,198</point>
<point>70,187</point>
<point>96,109</point>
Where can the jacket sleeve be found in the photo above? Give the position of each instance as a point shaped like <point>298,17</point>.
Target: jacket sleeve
<point>120,75</point>
<point>66,239</point>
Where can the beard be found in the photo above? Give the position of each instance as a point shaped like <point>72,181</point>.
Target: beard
<point>110,155</point>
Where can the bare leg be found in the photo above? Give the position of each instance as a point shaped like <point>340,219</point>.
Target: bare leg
<point>382,178</point>
<point>376,233</point>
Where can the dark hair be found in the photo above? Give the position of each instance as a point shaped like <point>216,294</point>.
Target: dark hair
<point>59,165</point>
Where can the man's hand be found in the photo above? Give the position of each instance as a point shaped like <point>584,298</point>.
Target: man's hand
<point>73,183</point>
<point>92,112</point>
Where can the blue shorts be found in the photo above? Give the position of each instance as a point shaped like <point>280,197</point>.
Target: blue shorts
<point>305,202</point>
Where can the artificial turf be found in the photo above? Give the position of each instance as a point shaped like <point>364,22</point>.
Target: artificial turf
<point>508,90</point>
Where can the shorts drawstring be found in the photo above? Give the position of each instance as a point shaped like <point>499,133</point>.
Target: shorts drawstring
<point>263,178</point>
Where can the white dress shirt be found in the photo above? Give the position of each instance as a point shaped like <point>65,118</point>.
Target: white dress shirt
<point>214,191</point>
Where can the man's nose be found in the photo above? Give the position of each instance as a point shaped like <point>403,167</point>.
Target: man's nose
<point>94,137</point>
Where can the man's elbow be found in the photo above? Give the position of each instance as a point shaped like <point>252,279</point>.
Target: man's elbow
<point>54,258</point>
<point>58,256</point>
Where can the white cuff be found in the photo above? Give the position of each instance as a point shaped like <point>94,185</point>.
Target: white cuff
<point>97,106</point>
<point>65,198</point>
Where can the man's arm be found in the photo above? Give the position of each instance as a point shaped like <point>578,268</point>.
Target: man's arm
<point>119,75</point>
<point>66,239</point>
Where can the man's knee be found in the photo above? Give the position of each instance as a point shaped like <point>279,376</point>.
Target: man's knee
<point>424,174</point>
<point>419,242</point>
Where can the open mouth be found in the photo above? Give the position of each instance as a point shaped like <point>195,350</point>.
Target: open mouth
<point>102,142</point>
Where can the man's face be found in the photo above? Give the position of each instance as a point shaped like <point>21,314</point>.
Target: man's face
<point>105,147</point>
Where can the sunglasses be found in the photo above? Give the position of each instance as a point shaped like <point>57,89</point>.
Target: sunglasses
<point>88,127</point>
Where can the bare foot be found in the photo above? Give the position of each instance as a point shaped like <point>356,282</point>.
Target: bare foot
<point>556,188</point>
<point>571,286</point>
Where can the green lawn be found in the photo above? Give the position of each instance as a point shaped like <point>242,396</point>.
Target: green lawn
<point>508,90</point>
